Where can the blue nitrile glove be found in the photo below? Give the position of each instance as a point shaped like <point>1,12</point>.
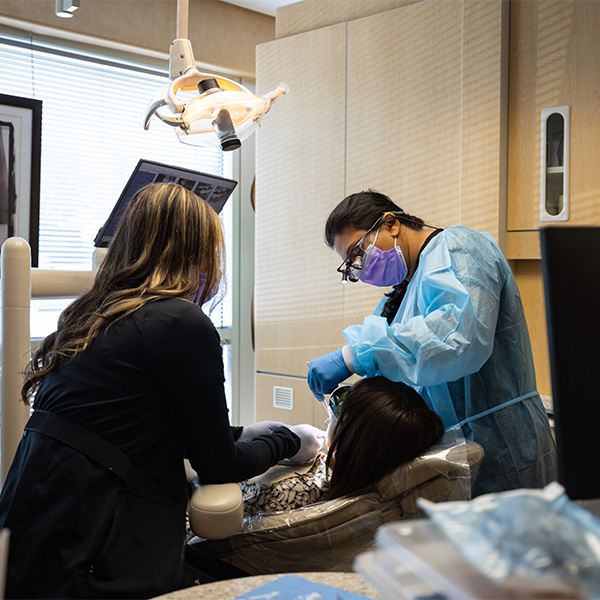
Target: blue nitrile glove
<point>326,373</point>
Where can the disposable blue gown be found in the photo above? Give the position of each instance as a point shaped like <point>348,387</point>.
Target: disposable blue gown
<point>460,337</point>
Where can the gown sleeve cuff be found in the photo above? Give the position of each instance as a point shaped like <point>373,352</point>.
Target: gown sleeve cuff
<point>348,355</point>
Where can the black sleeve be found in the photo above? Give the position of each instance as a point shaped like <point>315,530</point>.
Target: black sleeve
<point>188,360</point>
<point>236,432</point>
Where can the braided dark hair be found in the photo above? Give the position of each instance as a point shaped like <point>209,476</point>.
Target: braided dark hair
<point>360,211</point>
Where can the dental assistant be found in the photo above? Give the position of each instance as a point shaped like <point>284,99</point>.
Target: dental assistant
<point>452,325</point>
<point>129,385</point>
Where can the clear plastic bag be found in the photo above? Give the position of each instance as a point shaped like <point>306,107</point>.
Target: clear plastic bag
<point>525,535</point>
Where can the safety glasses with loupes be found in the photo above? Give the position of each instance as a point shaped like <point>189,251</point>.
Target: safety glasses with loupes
<point>354,260</point>
<point>337,398</point>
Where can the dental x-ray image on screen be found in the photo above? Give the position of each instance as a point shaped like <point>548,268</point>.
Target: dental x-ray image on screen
<point>212,188</point>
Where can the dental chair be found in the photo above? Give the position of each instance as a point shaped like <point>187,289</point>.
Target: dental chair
<point>327,536</point>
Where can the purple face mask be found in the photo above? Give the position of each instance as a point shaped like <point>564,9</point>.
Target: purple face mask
<point>383,268</point>
<point>198,296</point>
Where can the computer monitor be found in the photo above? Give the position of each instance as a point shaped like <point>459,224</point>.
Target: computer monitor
<point>571,275</point>
<point>212,188</point>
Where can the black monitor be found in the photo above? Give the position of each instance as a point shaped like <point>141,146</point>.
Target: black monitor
<point>571,275</point>
<point>215,190</point>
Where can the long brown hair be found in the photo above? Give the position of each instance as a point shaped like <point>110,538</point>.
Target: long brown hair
<point>166,238</point>
<point>383,424</point>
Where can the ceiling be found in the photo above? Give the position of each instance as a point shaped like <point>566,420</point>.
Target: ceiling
<point>267,7</point>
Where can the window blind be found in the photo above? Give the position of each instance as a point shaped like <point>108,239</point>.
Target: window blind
<point>92,138</point>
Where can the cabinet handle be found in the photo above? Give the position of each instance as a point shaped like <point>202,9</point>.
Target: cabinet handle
<point>554,164</point>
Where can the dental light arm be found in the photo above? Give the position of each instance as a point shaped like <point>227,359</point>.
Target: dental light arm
<point>224,112</point>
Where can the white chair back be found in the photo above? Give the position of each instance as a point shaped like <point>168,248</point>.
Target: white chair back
<point>18,284</point>
<point>4,539</point>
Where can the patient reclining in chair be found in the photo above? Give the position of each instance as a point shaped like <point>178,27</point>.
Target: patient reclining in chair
<point>386,450</point>
<point>375,426</point>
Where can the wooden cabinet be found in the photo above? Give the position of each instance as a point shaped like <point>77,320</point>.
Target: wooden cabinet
<point>424,109</point>
<point>554,57</point>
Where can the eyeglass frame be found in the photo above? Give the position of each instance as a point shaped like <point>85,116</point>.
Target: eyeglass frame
<point>347,266</point>
<point>336,400</point>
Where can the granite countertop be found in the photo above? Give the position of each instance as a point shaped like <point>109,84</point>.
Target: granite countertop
<point>231,588</point>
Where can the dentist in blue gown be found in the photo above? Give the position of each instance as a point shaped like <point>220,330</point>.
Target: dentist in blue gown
<point>452,326</point>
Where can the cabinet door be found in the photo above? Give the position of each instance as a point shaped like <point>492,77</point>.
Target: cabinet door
<point>427,110</point>
<point>554,57</point>
<point>299,179</point>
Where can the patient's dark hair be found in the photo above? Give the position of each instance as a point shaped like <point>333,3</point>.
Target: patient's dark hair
<point>383,424</point>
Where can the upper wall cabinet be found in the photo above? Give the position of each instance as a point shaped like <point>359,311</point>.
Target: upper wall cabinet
<point>426,104</point>
<point>425,109</point>
<point>411,102</point>
<point>554,58</point>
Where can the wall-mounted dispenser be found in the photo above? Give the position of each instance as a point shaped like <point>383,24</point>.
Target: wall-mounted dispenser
<point>554,167</point>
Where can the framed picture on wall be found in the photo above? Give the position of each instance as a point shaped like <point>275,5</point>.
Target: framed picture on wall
<point>20,154</point>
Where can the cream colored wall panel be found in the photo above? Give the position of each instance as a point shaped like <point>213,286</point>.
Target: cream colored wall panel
<point>404,108</point>
<point>314,14</point>
<point>306,408</point>
<point>484,116</point>
<point>286,347</point>
<point>299,179</point>
<point>553,62</point>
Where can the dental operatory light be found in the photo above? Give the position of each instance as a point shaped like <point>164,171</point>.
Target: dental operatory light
<point>66,8</point>
<point>223,113</point>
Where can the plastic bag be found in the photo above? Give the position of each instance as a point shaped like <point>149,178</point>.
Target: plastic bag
<point>534,535</point>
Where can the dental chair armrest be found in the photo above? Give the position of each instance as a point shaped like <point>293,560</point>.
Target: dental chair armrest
<point>216,511</point>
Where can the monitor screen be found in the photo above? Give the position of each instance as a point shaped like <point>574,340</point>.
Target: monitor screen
<point>215,190</point>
